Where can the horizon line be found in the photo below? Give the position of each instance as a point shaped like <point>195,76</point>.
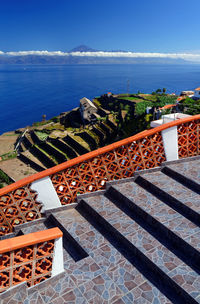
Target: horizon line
<point>186,56</point>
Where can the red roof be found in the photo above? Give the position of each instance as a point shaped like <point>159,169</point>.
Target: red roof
<point>168,106</point>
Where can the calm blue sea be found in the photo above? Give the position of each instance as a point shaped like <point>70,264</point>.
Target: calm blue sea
<point>29,91</point>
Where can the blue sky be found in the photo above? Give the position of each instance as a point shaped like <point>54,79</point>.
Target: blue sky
<point>130,25</point>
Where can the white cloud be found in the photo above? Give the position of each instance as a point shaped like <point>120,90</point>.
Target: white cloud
<point>187,56</point>
<point>46,53</point>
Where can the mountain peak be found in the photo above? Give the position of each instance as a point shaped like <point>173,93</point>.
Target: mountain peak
<point>82,48</point>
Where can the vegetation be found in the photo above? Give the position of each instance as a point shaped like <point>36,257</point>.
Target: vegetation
<point>4,179</point>
<point>42,135</point>
<point>190,106</point>
<point>9,155</point>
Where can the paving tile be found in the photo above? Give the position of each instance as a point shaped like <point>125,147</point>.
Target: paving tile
<point>101,289</point>
<point>151,247</point>
<point>175,189</point>
<point>83,271</point>
<point>170,218</point>
<point>189,169</point>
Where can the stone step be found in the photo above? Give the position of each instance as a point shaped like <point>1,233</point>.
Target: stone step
<point>183,234</point>
<point>69,243</point>
<point>140,249</point>
<point>184,200</point>
<point>188,167</point>
<point>108,263</point>
<point>182,179</point>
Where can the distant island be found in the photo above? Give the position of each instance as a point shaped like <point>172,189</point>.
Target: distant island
<point>86,55</point>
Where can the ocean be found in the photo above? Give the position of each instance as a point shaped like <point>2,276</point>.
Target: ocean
<point>29,91</point>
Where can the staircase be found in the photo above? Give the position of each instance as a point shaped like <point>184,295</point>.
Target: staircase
<point>138,241</point>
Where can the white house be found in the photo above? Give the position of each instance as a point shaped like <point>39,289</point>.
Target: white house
<point>197,93</point>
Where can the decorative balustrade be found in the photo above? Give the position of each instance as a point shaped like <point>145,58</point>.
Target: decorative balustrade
<point>27,258</point>
<point>188,138</point>
<point>17,207</point>
<point>90,172</point>
<point>119,162</point>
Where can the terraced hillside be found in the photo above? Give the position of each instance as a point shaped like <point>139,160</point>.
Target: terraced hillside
<point>42,152</point>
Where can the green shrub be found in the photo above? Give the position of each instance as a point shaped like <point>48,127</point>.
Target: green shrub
<point>4,178</point>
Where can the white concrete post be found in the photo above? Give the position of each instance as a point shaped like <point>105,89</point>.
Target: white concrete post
<point>170,142</point>
<point>46,193</point>
<point>58,262</point>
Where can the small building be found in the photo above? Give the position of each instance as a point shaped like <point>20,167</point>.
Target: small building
<point>109,94</point>
<point>187,93</point>
<point>168,118</point>
<point>87,110</point>
<point>197,93</point>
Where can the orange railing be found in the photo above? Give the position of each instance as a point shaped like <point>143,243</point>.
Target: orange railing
<point>90,172</point>
<point>27,258</point>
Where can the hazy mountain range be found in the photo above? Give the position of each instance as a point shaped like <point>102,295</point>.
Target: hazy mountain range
<point>87,55</point>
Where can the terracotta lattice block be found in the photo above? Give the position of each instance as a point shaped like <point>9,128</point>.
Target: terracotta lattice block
<point>188,139</point>
<point>32,264</point>
<point>18,207</point>
<point>120,162</point>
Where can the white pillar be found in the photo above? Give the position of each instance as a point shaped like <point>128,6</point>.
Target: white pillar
<point>58,262</point>
<point>46,193</point>
<point>170,142</point>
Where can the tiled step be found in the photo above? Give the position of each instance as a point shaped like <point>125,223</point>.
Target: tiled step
<point>109,264</point>
<point>172,224</point>
<point>182,179</point>
<point>140,249</point>
<point>38,226</point>
<point>69,243</point>
<point>183,200</point>
<point>188,167</point>
<point>164,235</point>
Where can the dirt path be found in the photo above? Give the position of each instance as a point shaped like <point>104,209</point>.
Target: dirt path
<point>7,141</point>
<point>16,169</point>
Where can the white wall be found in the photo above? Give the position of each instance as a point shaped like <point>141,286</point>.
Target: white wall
<point>58,262</point>
<point>46,193</point>
<point>170,142</point>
